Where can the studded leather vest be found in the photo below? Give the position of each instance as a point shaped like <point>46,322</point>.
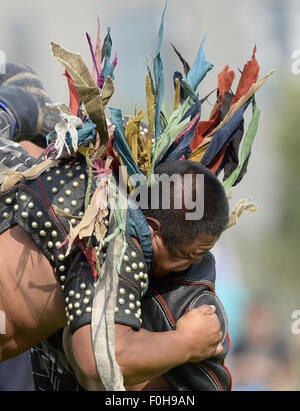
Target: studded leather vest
<point>30,204</point>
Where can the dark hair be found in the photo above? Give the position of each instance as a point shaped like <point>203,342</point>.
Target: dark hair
<point>175,227</point>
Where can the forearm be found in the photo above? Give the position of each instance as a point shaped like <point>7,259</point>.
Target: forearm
<point>89,384</point>
<point>145,355</point>
<point>141,355</point>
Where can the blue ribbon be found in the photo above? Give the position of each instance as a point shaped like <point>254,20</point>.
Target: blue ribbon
<point>224,135</point>
<point>200,68</point>
<point>159,77</point>
<point>121,144</point>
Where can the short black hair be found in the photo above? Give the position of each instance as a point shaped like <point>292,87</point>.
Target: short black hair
<point>175,228</point>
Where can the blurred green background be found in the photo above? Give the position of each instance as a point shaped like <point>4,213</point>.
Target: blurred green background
<point>257,260</point>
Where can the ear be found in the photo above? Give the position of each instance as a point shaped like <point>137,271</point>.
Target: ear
<point>155,226</point>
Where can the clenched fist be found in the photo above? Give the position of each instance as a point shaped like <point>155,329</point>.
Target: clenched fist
<point>200,332</point>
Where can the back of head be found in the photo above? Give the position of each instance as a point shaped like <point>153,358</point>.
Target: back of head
<point>188,200</point>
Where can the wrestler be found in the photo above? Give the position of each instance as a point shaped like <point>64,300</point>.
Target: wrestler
<point>37,282</point>
<point>33,302</point>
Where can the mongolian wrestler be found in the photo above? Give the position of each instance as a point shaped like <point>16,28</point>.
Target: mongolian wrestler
<point>172,337</point>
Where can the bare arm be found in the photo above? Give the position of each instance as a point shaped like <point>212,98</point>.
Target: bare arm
<point>144,355</point>
<point>34,150</point>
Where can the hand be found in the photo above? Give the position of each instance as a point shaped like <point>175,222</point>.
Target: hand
<point>201,332</point>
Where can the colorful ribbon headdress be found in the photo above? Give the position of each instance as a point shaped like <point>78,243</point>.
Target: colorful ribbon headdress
<point>220,142</point>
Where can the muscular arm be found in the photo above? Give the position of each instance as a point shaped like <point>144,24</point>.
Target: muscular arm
<point>30,296</point>
<point>144,355</point>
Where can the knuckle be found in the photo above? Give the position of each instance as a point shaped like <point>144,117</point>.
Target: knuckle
<point>215,321</point>
<point>204,308</point>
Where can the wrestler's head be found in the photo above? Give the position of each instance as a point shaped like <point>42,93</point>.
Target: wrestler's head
<point>197,214</point>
